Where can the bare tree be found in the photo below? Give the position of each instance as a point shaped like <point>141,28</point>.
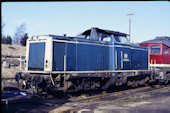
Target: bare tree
<point>19,34</point>
<point>8,40</point>
<point>3,38</point>
<point>24,40</point>
<point>2,26</point>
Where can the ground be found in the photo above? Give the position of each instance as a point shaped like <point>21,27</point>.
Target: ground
<point>158,102</point>
<point>14,50</point>
<point>156,105</point>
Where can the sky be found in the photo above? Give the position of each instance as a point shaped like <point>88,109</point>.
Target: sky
<point>150,19</point>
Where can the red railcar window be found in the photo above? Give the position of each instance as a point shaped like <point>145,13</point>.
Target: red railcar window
<point>165,51</point>
<point>155,49</point>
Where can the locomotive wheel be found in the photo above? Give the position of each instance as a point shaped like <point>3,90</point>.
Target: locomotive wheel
<point>146,80</point>
<point>129,83</point>
<point>21,85</point>
<point>134,83</point>
<point>141,82</point>
<point>167,78</point>
<point>166,82</point>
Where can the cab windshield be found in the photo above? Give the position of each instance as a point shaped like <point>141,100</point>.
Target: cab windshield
<point>100,37</point>
<point>121,39</point>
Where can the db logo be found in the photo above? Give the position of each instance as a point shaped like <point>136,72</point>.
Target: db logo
<point>125,57</point>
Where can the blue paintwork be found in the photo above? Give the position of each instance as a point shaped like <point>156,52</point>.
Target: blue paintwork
<point>58,56</point>
<point>126,61</point>
<point>71,57</point>
<point>87,57</point>
<point>36,56</point>
<point>92,55</point>
<point>105,58</point>
<point>139,59</point>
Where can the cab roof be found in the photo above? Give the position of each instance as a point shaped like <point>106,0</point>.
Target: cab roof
<point>161,39</point>
<point>87,32</point>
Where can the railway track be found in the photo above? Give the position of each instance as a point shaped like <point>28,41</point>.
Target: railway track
<point>98,99</point>
<point>113,97</point>
<point>99,96</point>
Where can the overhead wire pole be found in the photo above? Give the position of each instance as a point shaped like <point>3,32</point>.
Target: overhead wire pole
<point>130,14</point>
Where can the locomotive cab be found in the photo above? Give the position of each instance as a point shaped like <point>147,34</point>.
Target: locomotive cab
<point>113,52</point>
<point>38,54</point>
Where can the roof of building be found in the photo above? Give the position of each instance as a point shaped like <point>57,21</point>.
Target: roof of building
<point>161,39</point>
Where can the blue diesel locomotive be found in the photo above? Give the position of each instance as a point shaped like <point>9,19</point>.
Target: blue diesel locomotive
<point>98,59</point>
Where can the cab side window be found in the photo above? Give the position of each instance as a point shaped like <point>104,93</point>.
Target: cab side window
<point>155,49</point>
<point>121,39</point>
<point>105,37</point>
<point>117,38</point>
<point>165,51</point>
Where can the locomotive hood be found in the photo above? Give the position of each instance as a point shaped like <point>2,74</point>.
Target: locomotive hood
<point>162,39</point>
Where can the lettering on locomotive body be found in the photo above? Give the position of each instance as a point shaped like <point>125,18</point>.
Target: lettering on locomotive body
<point>126,57</point>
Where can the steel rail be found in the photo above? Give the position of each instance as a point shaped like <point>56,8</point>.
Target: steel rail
<point>96,97</point>
<point>119,99</point>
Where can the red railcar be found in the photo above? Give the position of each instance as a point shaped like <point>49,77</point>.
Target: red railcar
<point>159,50</point>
